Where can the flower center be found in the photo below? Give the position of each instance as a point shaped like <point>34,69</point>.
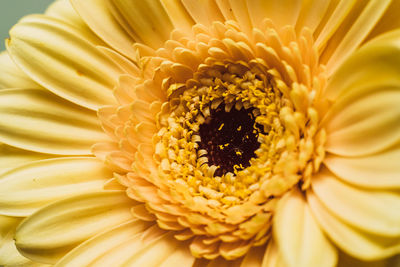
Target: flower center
<point>230,139</point>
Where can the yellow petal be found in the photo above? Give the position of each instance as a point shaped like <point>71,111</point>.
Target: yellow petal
<point>147,19</point>
<point>203,11</point>
<point>178,15</point>
<point>353,241</point>
<point>367,125</point>
<point>357,33</point>
<point>10,157</point>
<point>311,14</point>
<point>376,64</point>
<point>373,211</point>
<point>281,12</point>
<point>272,257</point>
<point>388,22</point>
<point>50,233</point>
<point>60,58</point>
<point>9,254</point>
<point>13,77</point>
<point>89,251</point>
<point>380,170</point>
<point>63,10</point>
<point>298,236</point>
<point>27,188</point>
<point>99,18</point>
<point>336,15</point>
<point>37,120</point>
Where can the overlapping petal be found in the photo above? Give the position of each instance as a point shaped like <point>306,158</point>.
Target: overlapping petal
<point>50,233</point>
<point>381,170</point>
<point>11,76</point>
<point>27,188</point>
<point>299,237</point>
<point>10,157</point>
<point>368,209</point>
<point>351,240</point>
<point>64,60</point>
<point>37,120</point>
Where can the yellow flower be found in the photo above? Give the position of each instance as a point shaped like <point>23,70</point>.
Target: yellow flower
<point>201,133</point>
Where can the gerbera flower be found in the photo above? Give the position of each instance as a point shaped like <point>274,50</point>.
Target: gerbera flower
<point>201,133</point>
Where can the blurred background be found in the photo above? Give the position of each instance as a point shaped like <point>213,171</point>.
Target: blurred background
<point>12,10</point>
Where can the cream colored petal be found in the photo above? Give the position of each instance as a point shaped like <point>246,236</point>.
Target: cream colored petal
<point>178,15</point>
<point>63,10</point>
<point>10,157</point>
<point>9,254</point>
<point>311,14</point>
<point>53,231</point>
<point>38,120</point>
<point>203,11</point>
<point>272,257</point>
<point>60,58</point>
<point>281,12</point>
<point>147,19</point>
<point>380,170</point>
<point>299,238</point>
<point>151,248</point>
<point>99,18</point>
<point>373,211</point>
<point>376,65</point>
<point>353,241</point>
<point>89,251</point>
<point>367,125</point>
<point>13,77</point>
<point>27,188</point>
<point>357,33</point>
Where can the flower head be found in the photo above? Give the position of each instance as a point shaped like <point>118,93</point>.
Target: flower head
<point>204,133</point>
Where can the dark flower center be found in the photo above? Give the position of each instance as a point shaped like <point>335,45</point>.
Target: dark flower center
<point>230,139</point>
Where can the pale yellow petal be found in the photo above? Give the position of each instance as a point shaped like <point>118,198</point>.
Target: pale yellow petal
<point>299,238</point>
<point>203,11</point>
<point>98,17</point>
<point>63,10</point>
<point>380,170</point>
<point>132,247</point>
<point>50,233</point>
<point>281,12</point>
<point>373,66</point>
<point>351,240</point>
<point>337,16</point>
<point>9,254</point>
<point>27,188</point>
<point>357,33</point>
<point>161,252</point>
<point>311,14</point>
<point>371,210</point>
<point>367,125</point>
<point>272,257</point>
<point>60,58</point>
<point>11,157</point>
<point>38,120</point>
<point>13,77</point>
<point>92,249</point>
<point>178,15</point>
<point>147,19</point>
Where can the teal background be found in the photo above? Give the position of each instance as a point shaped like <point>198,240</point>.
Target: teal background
<point>12,10</point>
